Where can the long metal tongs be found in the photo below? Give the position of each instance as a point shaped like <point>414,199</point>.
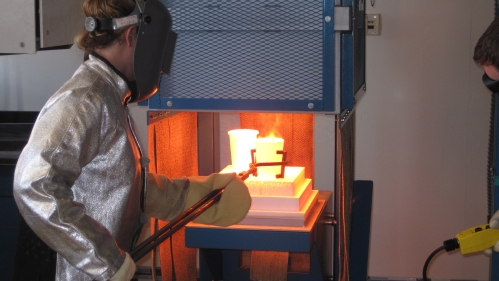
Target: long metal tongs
<point>174,225</point>
<point>197,209</point>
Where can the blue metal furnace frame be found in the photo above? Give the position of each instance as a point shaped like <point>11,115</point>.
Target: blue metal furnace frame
<point>263,55</point>
<point>353,56</point>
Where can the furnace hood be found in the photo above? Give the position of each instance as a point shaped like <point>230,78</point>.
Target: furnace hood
<point>265,56</point>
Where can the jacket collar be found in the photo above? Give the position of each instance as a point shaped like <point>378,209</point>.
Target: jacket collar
<point>114,75</point>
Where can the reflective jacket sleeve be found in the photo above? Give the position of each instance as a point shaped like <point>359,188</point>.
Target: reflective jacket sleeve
<point>64,139</point>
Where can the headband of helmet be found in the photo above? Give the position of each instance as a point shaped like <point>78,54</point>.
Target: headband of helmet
<point>155,45</point>
<point>98,24</point>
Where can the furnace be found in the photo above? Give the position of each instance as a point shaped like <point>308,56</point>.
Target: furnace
<point>292,68</point>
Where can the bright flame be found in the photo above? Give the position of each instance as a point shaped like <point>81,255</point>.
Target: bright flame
<point>271,135</point>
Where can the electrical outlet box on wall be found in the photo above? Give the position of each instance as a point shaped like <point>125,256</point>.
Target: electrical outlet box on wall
<point>373,24</point>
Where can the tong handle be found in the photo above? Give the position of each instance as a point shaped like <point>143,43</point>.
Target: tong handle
<point>173,226</point>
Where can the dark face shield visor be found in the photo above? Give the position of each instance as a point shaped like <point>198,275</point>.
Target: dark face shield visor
<point>154,50</point>
<point>155,43</point>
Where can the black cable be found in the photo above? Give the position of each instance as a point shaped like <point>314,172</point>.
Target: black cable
<point>449,245</point>
<point>425,268</point>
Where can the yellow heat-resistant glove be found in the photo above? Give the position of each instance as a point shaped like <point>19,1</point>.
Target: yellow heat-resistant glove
<point>166,198</point>
<point>233,205</point>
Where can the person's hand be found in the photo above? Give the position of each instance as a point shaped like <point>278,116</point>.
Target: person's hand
<point>233,205</point>
<point>493,223</point>
<point>126,271</point>
<point>167,198</point>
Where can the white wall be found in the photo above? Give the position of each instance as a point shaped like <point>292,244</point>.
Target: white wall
<point>28,80</point>
<point>422,131</point>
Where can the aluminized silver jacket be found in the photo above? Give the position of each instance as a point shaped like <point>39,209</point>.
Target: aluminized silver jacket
<point>78,180</point>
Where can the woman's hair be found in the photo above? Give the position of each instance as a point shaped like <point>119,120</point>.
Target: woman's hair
<point>487,47</point>
<point>88,41</point>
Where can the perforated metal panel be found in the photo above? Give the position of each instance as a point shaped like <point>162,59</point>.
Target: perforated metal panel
<point>250,55</point>
<point>247,65</point>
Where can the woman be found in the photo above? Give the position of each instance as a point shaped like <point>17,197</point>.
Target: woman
<point>79,180</point>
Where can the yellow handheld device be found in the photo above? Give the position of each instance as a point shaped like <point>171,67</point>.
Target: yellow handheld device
<point>471,240</point>
<point>477,239</point>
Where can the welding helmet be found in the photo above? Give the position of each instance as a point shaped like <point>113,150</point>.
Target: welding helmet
<point>154,47</point>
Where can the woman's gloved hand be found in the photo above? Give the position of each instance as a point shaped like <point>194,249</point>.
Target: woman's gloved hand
<point>166,198</point>
<point>126,271</point>
<point>233,205</point>
<point>494,223</point>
